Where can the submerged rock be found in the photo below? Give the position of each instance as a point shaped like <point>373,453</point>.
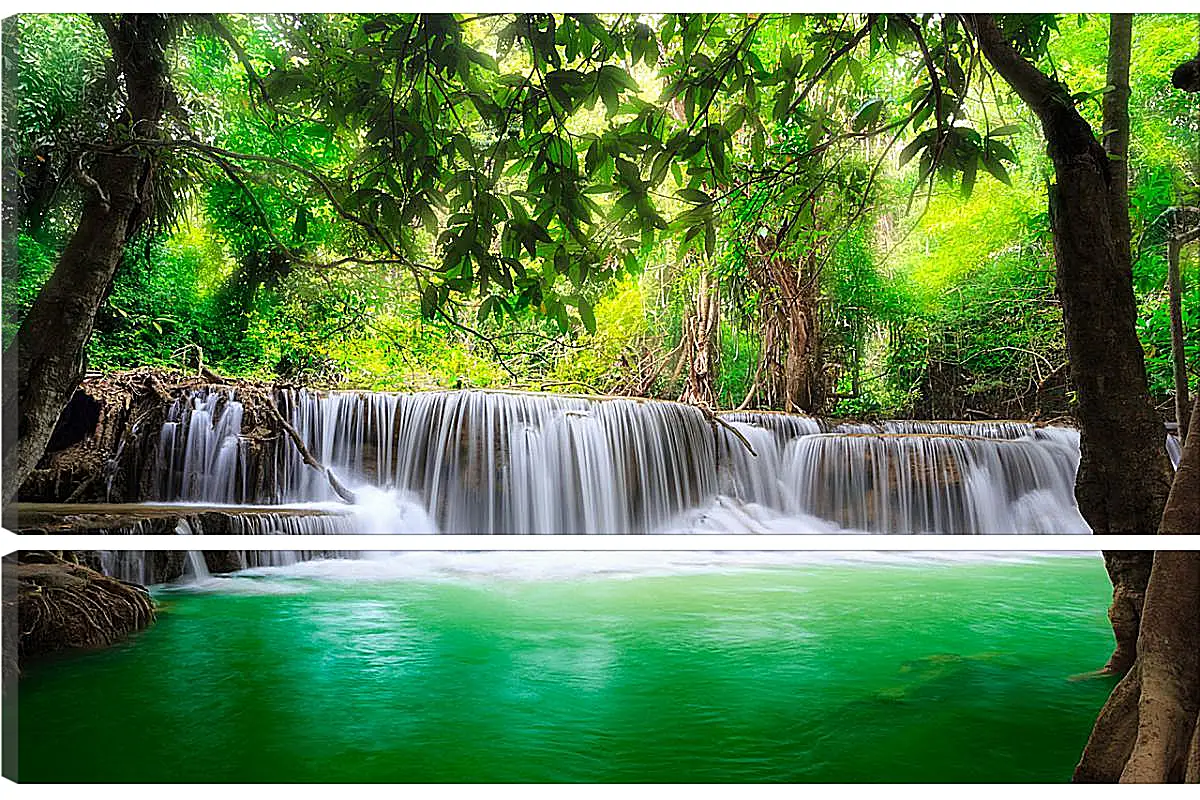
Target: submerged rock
<point>66,606</point>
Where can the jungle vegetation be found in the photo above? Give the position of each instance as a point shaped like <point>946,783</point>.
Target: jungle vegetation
<point>846,215</point>
<point>932,215</point>
<point>594,238</point>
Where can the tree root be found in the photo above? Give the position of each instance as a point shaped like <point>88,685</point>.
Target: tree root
<point>715,421</point>
<point>1147,731</point>
<point>306,455</point>
<point>63,606</point>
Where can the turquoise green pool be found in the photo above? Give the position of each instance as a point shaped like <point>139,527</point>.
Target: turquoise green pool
<point>592,667</point>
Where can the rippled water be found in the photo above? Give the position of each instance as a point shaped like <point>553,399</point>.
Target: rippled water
<point>592,667</point>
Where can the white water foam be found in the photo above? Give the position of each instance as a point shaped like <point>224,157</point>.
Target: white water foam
<point>440,566</point>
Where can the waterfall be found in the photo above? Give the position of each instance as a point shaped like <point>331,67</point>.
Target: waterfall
<point>509,462</point>
<point>201,453</point>
<point>490,462</point>
<point>150,567</point>
<point>930,483</point>
<point>1174,449</point>
<point>195,567</point>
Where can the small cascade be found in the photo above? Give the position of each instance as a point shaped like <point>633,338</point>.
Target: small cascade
<point>126,565</point>
<point>933,483</point>
<point>1174,449</point>
<point>201,453</point>
<point>155,567</point>
<point>491,462</point>
<point>988,429</point>
<point>784,427</point>
<point>196,569</point>
<point>508,462</point>
<point>276,524</point>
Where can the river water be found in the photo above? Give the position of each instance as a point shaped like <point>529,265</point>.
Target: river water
<point>592,667</point>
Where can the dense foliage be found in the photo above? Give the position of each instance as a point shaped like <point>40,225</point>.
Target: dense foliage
<point>417,201</point>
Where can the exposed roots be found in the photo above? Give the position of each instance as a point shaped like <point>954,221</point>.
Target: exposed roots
<point>64,606</point>
<point>1147,731</point>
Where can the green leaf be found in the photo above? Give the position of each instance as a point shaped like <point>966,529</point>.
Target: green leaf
<point>694,196</point>
<point>1000,150</point>
<point>482,59</point>
<point>485,308</point>
<point>628,172</point>
<point>736,118</point>
<point>1004,130</point>
<point>996,169</point>
<point>856,69</point>
<point>968,181</point>
<point>429,301</point>
<point>585,314</point>
<point>783,101</point>
<point>868,114</point>
<point>906,155</point>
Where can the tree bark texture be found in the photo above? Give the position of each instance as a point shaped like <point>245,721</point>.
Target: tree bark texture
<point>790,378</point>
<point>701,331</point>
<point>1115,125</point>
<point>1124,475</point>
<point>51,340</point>
<point>1129,572</point>
<point>1147,731</point>
<point>1178,354</point>
<point>1182,514</point>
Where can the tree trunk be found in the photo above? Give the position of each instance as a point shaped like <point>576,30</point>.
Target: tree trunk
<point>701,346</point>
<point>1124,475</point>
<point>50,343</point>
<point>1182,514</point>
<point>802,382</point>
<point>1149,730</point>
<point>790,349</point>
<point>1146,732</point>
<point>1115,125</point>
<point>1129,572</point>
<point>1178,355</point>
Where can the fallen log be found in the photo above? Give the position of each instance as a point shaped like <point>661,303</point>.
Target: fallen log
<point>306,455</point>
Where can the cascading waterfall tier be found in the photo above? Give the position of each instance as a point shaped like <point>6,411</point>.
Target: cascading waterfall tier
<point>149,567</point>
<point>509,462</point>
<point>933,483</point>
<point>491,462</point>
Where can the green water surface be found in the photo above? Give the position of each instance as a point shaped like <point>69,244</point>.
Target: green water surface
<point>925,671</point>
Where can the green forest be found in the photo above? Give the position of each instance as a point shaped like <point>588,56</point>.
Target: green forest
<point>829,214</point>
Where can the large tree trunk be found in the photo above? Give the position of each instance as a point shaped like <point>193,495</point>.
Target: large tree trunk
<point>1149,729</point>
<point>1115,126</point>
<point>1146,732</point>
<point>1124,475</point>
<point>51,340</point>
<point>701,346</point>
<point>1129,571</point>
